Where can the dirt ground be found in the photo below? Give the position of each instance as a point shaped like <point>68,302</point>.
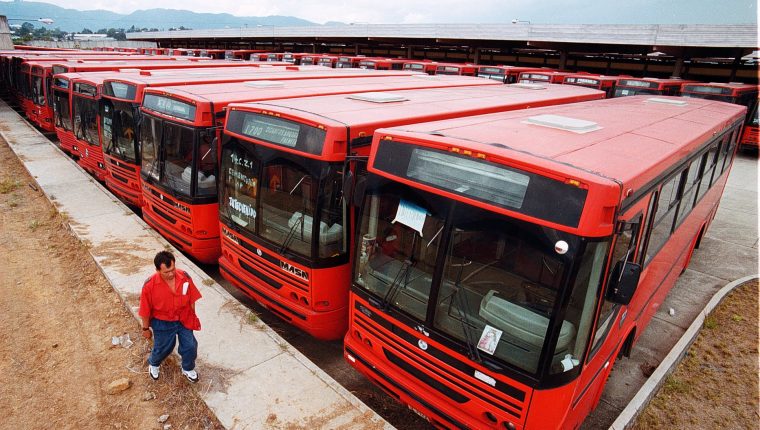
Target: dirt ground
<point>716,385</point>
<point>58,315</point>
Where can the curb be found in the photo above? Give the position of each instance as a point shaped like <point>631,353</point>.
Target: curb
<point>652,385</point>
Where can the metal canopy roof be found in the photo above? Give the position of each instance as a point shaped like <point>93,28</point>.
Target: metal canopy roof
<point>743,36</point>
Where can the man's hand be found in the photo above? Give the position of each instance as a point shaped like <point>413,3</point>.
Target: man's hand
<point>147,334</point>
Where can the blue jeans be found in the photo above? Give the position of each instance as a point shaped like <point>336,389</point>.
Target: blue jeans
<point>165,334</point>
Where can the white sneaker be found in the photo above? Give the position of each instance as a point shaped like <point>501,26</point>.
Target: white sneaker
<point>191,375</point>
<point>153,371</point>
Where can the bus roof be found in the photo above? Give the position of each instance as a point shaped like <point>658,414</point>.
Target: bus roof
<point>199,77</point>
<point>622,143</point>
<point>409,106</point>
<point>221,95</point>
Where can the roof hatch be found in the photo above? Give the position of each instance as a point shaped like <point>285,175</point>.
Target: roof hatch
<point>529,86</point>
<point>574,125</point>
<point>377,97</point>
<point>672,102</point>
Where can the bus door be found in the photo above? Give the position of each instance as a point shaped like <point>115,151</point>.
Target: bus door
<point>610,326</point>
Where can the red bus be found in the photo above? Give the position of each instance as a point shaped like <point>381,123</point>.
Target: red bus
<point>179,52</point>
<point>37,103</point>
<point>65,128</point>
<point>505,74</point>
<point>428,67</point>
<point>349,62</point>
<point>294,58</point>
<point>732,92</point>
<point>650,86</point>
<point>85,116</point>
<point>241,54</point>
<point>285,236</point>
<point>543,77</point>
<point>507,260</point>
<point>456,69</point>
<point>216,54</point>
<point>598,82</point>
<point>327,61</point>
<point>382,64</point>
<point>274,56</point>
<point>179,180</point>
<point>124,95</point>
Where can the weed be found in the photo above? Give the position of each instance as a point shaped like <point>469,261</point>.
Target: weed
<point>252,318</point>
<point>737,318</point>
<point>7,185</point>
<point>674,385</point>
<point>208,282</point>
<point>13,203</point>
<point>34,225</point>
<point>710,322</point>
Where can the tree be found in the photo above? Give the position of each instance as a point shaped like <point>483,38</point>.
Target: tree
<point>86,31</point>
<point>25,30</point>
<point>102,31</point>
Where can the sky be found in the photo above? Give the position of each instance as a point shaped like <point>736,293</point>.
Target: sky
<point>459,11</point>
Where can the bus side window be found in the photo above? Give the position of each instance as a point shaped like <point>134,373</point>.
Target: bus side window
<point>625,249</point>
<point>647,227</point>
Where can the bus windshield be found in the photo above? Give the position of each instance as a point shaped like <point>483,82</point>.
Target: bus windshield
<point>621,92</point>
<point>720,98</point>
<point>85,120</point>
<point>118,125</point>
<point>38,91</point>
<point>61,110</point>
<point>168,151</point>
<point>497,291</point>
<point>276,196</point>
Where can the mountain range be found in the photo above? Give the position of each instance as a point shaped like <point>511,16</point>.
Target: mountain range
<point>72,20</point>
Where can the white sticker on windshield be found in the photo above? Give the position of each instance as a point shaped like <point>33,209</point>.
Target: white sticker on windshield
<point>410,215</point>
<point>489,339</point>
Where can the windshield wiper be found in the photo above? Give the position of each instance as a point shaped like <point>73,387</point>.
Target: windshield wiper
<point>403,272</point>
<point>462,305</point>
<point>290,235</point>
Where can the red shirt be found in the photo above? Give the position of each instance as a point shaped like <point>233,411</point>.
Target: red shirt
<point>158,301</point>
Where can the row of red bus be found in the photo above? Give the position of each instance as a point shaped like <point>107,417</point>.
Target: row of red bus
<point>486,251</point>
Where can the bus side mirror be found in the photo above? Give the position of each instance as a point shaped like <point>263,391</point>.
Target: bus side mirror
<point>623,282</point>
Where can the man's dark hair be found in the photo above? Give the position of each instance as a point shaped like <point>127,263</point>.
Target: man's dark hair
<point>164,257</point>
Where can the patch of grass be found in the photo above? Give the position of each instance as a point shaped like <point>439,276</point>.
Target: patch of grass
<point>34,225</point>
<point>710,322</point>
<point>13,203</point>
<point>674,385</point>
<point>208,282</point>
<point>737,318</point>
<point>252,318</point>
<point>7,185</point>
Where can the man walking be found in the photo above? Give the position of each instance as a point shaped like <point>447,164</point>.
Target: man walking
<point>167,309</point>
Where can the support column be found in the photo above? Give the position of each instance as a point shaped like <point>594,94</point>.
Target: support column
<point>476,55</point>
<point>678,68</point>
<point>735,67</point>
<point>562,59</point>
<point>409,52</point>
